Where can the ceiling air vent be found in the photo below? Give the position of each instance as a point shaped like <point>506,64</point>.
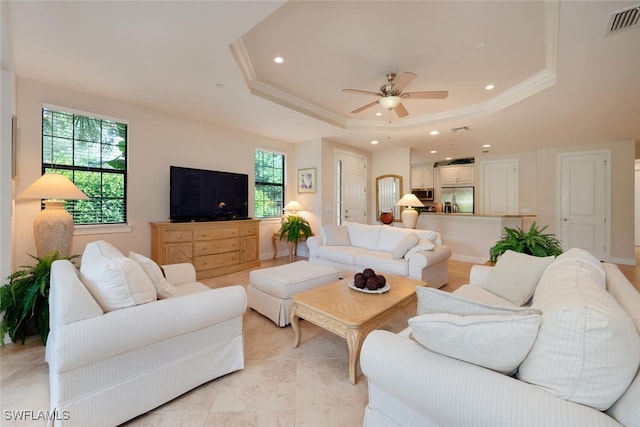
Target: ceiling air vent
<point>623,20</point>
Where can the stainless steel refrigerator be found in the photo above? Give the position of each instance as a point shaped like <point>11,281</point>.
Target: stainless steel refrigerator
<point>462,197</point>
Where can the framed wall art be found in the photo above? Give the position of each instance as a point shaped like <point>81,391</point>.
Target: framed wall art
<point>307,180</point>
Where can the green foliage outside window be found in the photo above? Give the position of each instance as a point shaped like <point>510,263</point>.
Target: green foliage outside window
<point>92,153</point>
<point>269,188</point>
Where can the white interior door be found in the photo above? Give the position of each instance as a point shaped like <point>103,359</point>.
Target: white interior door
<point>500,187</point>
<point>351,191</point>
<point>584,193</point>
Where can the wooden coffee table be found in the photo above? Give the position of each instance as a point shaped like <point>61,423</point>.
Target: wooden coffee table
<point>351,314</point>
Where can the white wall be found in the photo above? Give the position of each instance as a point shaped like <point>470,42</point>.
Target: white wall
<point>156,140</point>
<point>7,110</point>
<point>395,161</point>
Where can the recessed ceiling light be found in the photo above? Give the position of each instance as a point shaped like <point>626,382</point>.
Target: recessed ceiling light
<point>374,142</point>
<point>448,158</point>
<point>486,145</point>
<point>378,113</point>
<point>433,151</point>
<point>434,132</point>
<point>278,59</point>
<point>489,87</point>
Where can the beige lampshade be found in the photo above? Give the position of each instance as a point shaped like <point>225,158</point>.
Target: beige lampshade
<point>53,227</point>
<point>52,186</point>
<point>410,200</point>
<point>293,206</point>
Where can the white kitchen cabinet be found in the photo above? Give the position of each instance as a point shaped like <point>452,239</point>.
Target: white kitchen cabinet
<point>456,175</point>
<point>422,176</point>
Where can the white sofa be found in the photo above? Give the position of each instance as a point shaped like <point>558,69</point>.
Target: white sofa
<point>107,366</point>
<point>581,369</point>
<point>419,254</point>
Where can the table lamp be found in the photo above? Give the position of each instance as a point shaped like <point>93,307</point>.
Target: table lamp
<point>409,214</point>
<point>293,207</point>
<point>53,226</point>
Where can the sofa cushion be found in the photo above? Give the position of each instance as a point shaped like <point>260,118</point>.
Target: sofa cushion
<point>164,289</point>
<point>432,300</point>
<point>588,349</point>
<point>363,235</point>
<point>114,280</point>
<point>495,337</point>
<point>389,237</point>
<point>516,275</point>
<point>495,341</point>
<point>340,254</point>
<point>335,235</point>
<point>423,245</point>
<point>381,262</point>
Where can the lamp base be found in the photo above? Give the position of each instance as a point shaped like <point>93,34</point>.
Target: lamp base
<point>409,218</point>
<point>53,229</point>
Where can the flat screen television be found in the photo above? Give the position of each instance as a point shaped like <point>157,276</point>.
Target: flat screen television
<point>207,195</point>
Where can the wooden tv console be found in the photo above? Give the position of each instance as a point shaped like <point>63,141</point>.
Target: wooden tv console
<point>214,248</point>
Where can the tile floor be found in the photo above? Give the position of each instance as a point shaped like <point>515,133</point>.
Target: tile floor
<point>280,385</point>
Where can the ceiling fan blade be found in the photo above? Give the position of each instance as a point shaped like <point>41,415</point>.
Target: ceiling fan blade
<point>364,107</point>
<point>362,92</point>
<point>433,94</point>
<point>403,81</point>
<point>401,111</point>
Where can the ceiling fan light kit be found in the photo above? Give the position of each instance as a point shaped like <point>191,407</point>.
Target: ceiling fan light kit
<point>391,94</point>
<point>390,102</point>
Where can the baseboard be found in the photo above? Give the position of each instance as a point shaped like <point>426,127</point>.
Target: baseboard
<point>468,258</point>
<point>623,261</point>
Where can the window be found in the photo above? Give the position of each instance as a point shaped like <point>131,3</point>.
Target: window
<point>92,153</point>
<point>269,190</point>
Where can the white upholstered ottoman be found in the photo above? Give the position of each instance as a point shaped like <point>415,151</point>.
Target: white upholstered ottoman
<point>270,289</point>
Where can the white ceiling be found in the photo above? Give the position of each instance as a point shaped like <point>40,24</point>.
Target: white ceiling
<point>559,80</point>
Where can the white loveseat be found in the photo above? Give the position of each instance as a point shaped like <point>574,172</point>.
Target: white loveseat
<point>419,254</point>
<point>581,368</point>
<point>107,366</point>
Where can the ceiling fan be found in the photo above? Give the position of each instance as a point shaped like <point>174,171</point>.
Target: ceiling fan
<point>391,94</point>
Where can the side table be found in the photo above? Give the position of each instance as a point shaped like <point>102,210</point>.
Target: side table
<point>293,246</point>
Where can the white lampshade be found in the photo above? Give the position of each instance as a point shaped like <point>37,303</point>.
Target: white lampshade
<point>293,206</point>
<point>52,186</point>
<point>410,200</point>
<point>53,227</point>
<point>409,214</point>
<point>390,102</point>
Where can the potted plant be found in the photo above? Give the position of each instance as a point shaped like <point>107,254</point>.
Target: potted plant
<point>294,227</point>
<point>533,242</point>
<point>24,301</point>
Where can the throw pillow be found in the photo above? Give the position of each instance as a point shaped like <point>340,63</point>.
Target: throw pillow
<point>495,341</point>
<point>164,289</point>
<point>588,349</point>
<point>335,235</point>
<point>114,281</point>
<point>516,275</point>
<point>432,300</point>
<point>407,242</point>
<point>423,245</point>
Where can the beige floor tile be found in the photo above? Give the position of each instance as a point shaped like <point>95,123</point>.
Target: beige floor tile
<point>325,383</point>
<point>264,385</point>
<point>251,419</point>
<point>333,416</point>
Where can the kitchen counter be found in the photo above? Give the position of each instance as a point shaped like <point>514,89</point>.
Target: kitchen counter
<point>471,236</point>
